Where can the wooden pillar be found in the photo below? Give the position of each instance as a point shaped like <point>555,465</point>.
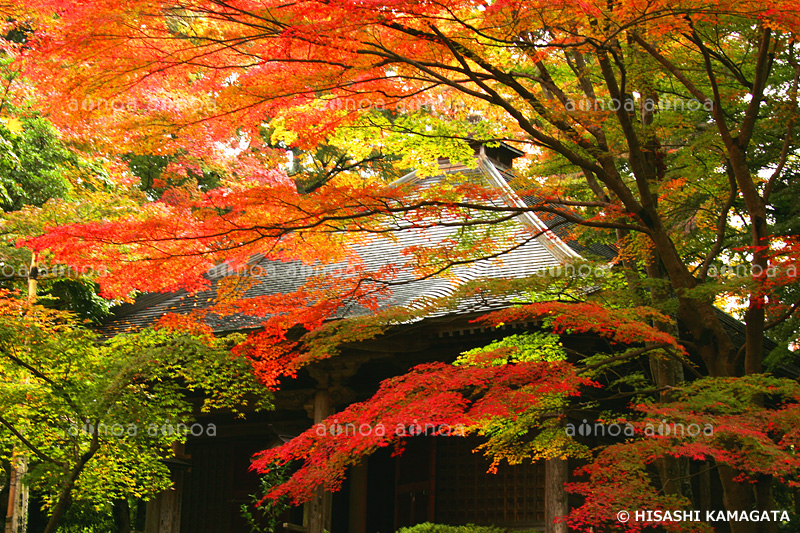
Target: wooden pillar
<point>17,514</point>
<point>555,496</point>
<point>317,512</point>
<point>163,514</point>
<point>18,493</point>
<point>358,498</point>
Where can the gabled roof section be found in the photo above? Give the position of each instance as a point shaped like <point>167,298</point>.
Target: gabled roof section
<point>537,249</point>
<point>498,178</point>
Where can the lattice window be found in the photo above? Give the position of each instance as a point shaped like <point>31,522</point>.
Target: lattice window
<point>465,493</point>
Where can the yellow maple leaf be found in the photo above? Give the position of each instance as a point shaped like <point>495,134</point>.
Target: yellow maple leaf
<point>14,125</point>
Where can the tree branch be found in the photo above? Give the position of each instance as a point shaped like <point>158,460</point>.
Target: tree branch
<point>722,224</point>
<point>789,312</point>
<point>32,447</point>
<point>763,67</point>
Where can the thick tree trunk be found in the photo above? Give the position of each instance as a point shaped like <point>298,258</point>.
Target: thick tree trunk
<point>704,499</point>
<point>737,497</point>
<point>667,372</point>
<point>721,357</point>
<point>765,501</point>
<point>712,342</point>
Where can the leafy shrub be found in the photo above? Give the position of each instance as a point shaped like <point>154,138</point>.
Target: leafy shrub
<point>266,516</point>
<point>428,527</point>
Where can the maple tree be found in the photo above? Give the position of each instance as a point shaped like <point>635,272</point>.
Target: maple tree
<point>97,418</point>
<point>666,127</point>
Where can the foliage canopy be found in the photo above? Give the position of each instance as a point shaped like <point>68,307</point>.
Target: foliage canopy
<point>667,128</point>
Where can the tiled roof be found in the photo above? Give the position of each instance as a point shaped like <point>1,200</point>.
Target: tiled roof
<point>547,249</point>
<point>538,249</point>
